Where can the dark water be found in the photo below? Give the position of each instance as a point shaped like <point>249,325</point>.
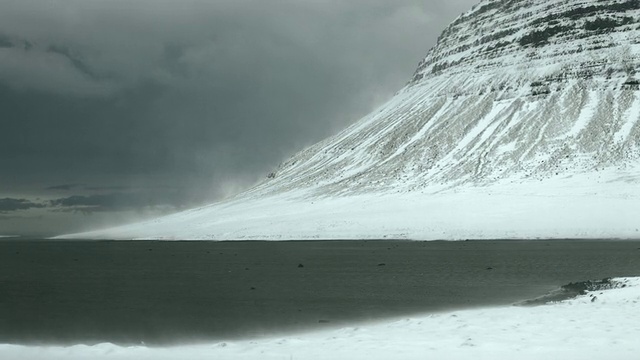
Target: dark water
<point>68,292</point>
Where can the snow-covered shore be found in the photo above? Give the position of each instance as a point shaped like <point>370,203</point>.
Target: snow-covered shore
<point>600,324</point>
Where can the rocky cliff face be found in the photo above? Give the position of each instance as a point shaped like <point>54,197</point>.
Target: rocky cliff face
<point>513,90</point>
<point>557,39</point>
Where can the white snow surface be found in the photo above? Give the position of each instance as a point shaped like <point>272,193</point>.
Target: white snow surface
<point>494,137</point>
<point>599,325</point>
<point>587,206</point>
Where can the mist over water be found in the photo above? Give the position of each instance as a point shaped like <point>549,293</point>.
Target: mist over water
<point>167,293</point>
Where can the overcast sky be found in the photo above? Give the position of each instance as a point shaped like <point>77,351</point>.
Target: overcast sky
<point>115,110</point>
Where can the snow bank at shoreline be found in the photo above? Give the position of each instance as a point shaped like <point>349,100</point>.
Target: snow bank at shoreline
<point>600,324</point>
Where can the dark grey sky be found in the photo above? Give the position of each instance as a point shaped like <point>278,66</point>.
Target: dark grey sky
<point>112,110</point>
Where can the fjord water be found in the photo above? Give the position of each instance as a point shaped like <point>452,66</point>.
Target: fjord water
<point>157,293</point>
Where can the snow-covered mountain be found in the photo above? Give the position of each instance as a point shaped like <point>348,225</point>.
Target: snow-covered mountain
<point>522,122</point>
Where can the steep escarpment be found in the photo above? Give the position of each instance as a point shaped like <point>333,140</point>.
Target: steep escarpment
<point>585,38</point>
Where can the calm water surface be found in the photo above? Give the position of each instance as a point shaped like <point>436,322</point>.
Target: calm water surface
<point>68,292</point>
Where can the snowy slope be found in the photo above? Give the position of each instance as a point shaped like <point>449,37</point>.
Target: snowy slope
<point>522,122</point>
<point>598,325</point>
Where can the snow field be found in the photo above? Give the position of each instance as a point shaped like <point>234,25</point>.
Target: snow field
<point>605,204</point>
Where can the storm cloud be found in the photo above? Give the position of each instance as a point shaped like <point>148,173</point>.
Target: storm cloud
<point>10,204</point>
<point>65,187</point>
<point>203,96</point>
